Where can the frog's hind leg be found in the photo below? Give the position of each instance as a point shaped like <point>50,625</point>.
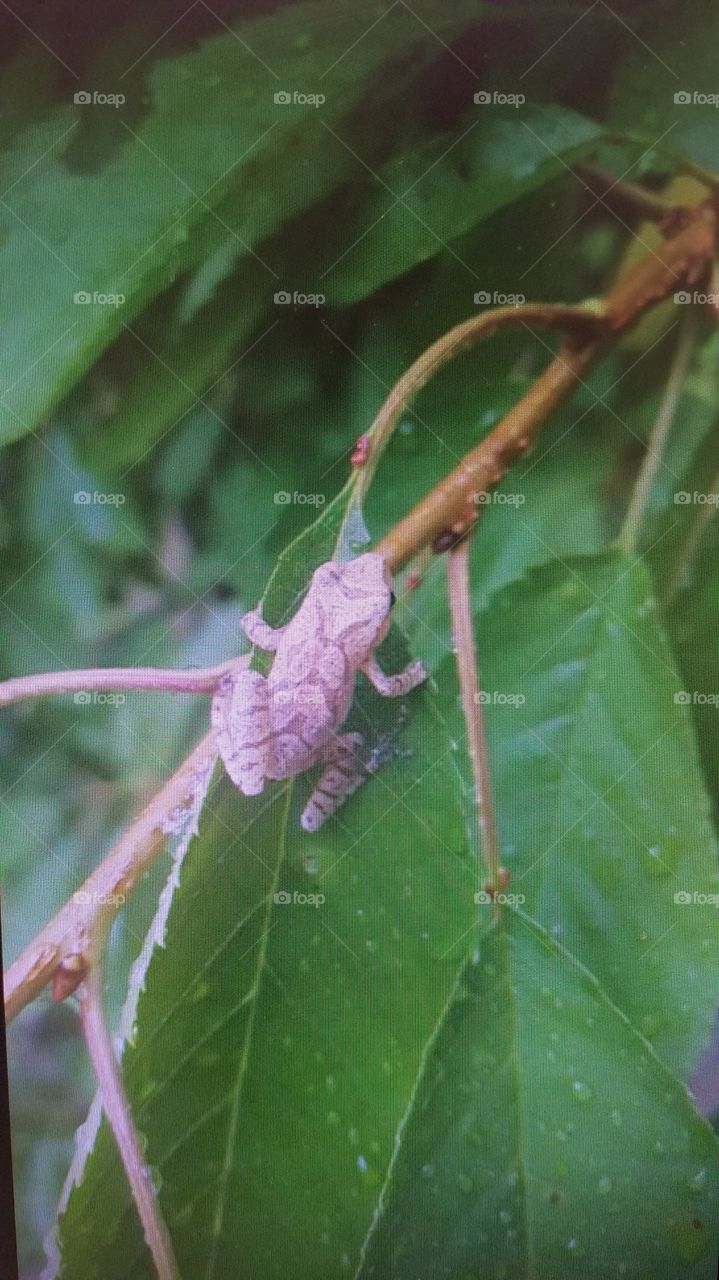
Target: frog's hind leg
<point>344,773</point>
<point>241,723</point>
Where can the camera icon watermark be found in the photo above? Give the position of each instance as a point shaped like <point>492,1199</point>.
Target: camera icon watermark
<point>303,696</point>
<point>684,898</point>
<point>82,498</point>
<point>87,97</point>
<point>483,897</point>
<point>83,298</point>
<point>686,296</point>
<point>498,698</point>
<point>92,697</point>
<point>696,698</point>
<point>495,298</point>
<point>283,298</point>
<point>284,898</point>
<point>493,98</point>
<point>693,98</point>
<point>283,498</point>
<point>84,898</point>
<point>295,98</point>
<point>684,499</point>
<point>495,497</point>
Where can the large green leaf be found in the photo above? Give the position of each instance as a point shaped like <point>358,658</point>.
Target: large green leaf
<point>430,195</point>
<point>268,1001</point>
<point>204,159</point>
<point>277,1042</point>
<point>544,1137</point>
<point>602,809</point>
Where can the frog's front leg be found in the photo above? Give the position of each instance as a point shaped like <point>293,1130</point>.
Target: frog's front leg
<point>345,772</point>
<point>240,718</point>
<point>394,686</point>
<point>259,632</point>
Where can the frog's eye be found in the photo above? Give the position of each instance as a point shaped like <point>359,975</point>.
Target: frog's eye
<point>392,599</point>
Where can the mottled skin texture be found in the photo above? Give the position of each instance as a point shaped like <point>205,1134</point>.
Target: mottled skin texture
<point>279,725</point>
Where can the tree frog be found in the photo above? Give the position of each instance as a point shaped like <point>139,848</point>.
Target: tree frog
<point>278,725</point>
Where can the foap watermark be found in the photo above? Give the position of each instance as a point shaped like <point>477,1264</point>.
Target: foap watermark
<point>685,898</point>
<point>285,499</point>
<point>495,298</point>
<point>84,898</point>
<point>495,98</point>
<point>483,897</point>
<point>84,499</point>
<point>283,298</point>
<point>296,98</point>
<point>693,98</point>
<point>304,696</point>
<point>494,497</point>
<point>286,899</point>
<point>686,296</point>
<point>696,698</point>
<point>92,697</point>
<point>94,98</point>
<point>83,298</point>
<point>498,698</point>
<point>685,499</point>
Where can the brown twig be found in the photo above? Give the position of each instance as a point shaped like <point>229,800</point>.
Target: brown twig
<point>683,259</point>
<point>60,952</point>
<point>117,1110</point>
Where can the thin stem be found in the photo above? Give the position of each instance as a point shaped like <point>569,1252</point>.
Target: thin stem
<point>579,320</point>
<point>459,590</point>
<point>117,1109</point>
<point>161,680</point>
<point>691,543</point>
<point>659,434</point>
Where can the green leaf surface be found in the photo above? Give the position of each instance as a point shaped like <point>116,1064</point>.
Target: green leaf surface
<point>204,157</point>
<point>305,1024</point>
<point>428,196</point>
<point>261,982</point>
<point>666,91</point>
<point>544,1137</point>
<point>603,815</point>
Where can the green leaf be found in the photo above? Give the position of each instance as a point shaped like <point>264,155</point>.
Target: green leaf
<point>251,988</point>
<point>215,153</point>
<point>429,195</point>
<point>277,1042</point>
<point>670,97</point>
<point>544,1137</point>
<point>692,620</point>
<point>602,810</point>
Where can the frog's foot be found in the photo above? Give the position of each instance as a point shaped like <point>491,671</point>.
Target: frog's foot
<point>345,772</point>
<point>394,686</point>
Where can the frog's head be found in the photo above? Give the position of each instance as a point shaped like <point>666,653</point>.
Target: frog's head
<point>355,597</point>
